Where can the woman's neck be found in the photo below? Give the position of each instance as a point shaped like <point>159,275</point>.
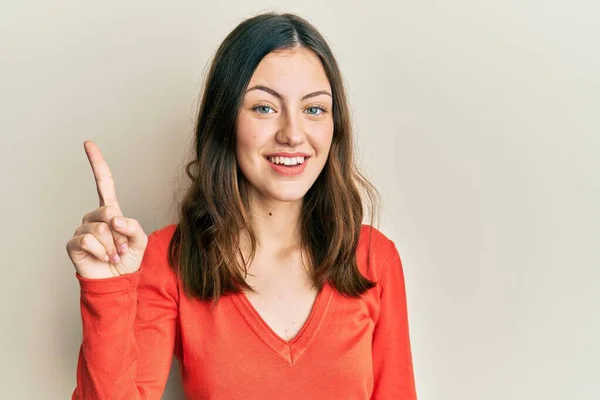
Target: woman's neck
<point>275,223</point>
<point>276,226</point>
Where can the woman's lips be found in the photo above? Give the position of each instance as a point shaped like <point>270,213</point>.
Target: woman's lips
<point>288,170</point>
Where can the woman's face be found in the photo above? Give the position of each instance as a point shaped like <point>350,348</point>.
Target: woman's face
<point>285,125</point>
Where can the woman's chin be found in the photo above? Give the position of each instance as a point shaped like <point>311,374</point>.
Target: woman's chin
<point>288,197</point>
<point>287,194</point>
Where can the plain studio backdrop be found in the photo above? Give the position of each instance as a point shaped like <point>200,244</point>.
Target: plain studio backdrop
<point>477,120</point>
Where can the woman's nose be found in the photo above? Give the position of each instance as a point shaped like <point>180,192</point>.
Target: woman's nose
<point>291,131</point>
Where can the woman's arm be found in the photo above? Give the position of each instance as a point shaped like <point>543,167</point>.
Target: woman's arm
<point>392,359</point>
<point>129,325</point>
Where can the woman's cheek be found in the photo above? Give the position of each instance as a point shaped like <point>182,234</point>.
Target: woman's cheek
<point>260,129</point>
<point>322,136</point>
<point>246,132</point>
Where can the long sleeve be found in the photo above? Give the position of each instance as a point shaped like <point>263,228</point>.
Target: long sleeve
<point>129,327</point>
<point>392,358</point>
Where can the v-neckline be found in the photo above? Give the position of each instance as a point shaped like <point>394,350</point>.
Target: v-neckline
<point>289,350</point>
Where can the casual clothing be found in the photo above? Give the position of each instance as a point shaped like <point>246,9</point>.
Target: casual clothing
<point>348,348</point>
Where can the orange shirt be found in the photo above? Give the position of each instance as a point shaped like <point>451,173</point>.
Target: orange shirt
<point>348,349</point>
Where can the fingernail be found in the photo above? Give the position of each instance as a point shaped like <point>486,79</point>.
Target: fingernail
<point>115,259</point>
<point>119,223</point>
<point>123,248</point>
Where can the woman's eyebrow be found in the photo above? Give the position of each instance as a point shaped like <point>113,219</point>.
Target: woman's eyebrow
<point>280,97</point>
<point>317,93</point>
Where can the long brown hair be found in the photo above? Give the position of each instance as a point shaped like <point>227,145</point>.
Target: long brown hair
<point>215,209</point>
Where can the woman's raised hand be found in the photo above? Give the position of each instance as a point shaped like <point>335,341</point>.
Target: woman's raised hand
<point>106,244</point>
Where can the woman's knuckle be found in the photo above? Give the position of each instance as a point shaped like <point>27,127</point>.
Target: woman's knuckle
<point>85,218</point>
<point>85,240</point>
<point>101,228</point>
<point>108,213</point>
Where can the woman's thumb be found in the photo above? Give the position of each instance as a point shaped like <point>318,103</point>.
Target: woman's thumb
<point>133,230</point>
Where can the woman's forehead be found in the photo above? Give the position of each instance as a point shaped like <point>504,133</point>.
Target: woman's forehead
<point>291,72</point>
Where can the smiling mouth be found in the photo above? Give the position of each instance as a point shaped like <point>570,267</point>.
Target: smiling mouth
<point>288,161</point>
<point>288,166</point>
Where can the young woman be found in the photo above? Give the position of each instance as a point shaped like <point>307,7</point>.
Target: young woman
<point>269,286</point>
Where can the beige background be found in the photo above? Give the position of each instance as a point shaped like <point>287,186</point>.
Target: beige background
<point>478,120</point>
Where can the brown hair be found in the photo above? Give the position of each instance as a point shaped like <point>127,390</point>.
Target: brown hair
<point>215,209</point>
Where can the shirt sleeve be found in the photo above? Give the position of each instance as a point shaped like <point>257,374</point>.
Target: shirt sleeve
<point>392,358</point>
<point>129,327</point>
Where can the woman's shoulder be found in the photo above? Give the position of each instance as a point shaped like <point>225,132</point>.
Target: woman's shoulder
<point>375,252</point>
<point>376,241</point>
<point>163,235</point>
<point>155,257</point>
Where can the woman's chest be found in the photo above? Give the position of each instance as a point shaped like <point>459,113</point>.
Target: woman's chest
<point>232,346</point>
<point>283,307</point>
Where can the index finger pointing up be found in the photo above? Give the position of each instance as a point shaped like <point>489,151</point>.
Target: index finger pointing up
<point>104,180</point>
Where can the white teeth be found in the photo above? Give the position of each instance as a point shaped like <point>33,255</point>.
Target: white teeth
<point>287,160</point>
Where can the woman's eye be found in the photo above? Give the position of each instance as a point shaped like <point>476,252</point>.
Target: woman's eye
<point>263,109</point>
<point>315,110</point>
